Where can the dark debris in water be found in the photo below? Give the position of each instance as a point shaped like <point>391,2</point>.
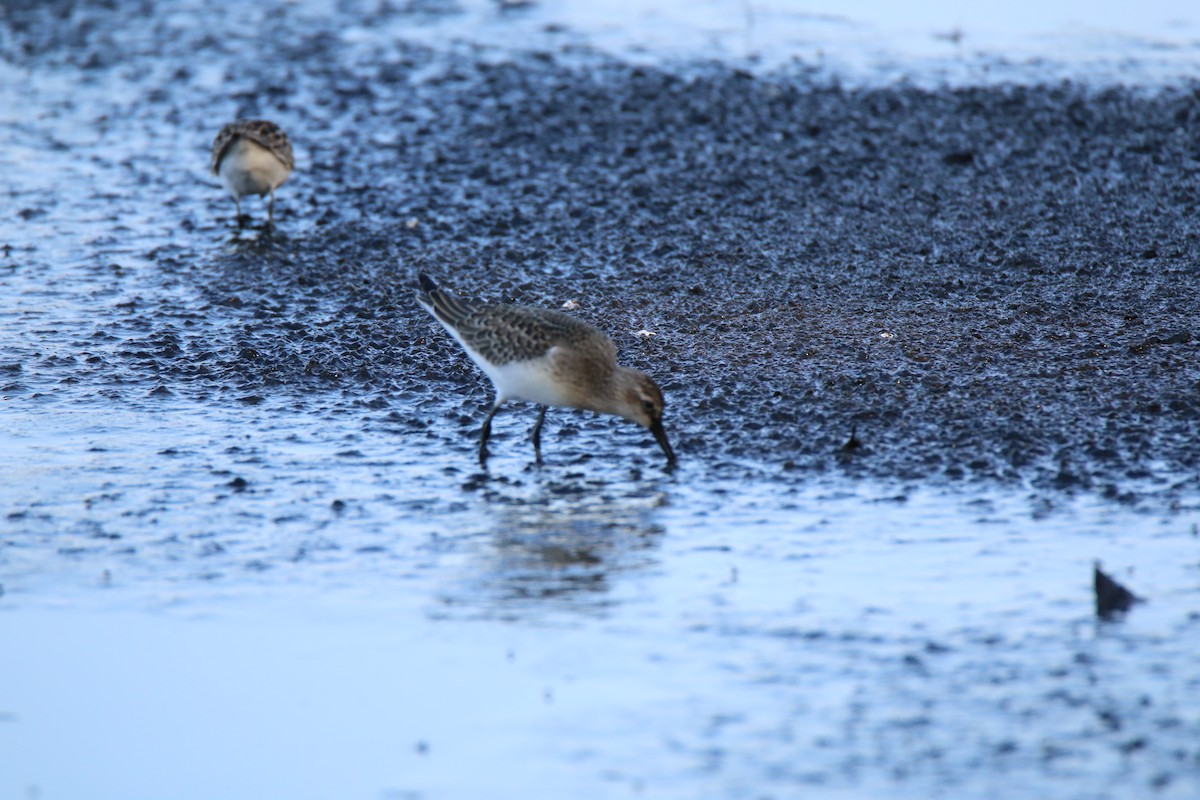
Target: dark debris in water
<point>1112,599</point>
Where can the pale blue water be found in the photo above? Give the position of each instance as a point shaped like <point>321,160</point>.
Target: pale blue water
<point>930,42</point>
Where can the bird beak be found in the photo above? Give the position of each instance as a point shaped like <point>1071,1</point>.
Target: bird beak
<point>661,437</point>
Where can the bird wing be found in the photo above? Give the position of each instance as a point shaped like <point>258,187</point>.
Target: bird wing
<point>260,131</point>
<point>505,333</point>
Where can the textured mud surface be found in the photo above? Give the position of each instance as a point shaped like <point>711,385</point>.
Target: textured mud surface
<point>991,291</point>
<point>987,284</point>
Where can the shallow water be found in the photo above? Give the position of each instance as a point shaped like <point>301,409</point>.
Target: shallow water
<point>929,42</point>
<point>644,636</point>
<point>246,549</point>
<point>353,623</point>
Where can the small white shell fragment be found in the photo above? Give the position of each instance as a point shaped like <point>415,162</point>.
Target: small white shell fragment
<point>570,305</point>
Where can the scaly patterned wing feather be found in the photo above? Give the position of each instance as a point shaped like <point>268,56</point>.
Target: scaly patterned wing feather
<point>503,334</point>
<point>260,131</point>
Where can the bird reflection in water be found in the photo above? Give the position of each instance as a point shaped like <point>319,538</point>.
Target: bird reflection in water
<point>562,555</point>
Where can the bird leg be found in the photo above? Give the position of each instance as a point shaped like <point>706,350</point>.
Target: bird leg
<point>537,434</point>
<point>485,433</point>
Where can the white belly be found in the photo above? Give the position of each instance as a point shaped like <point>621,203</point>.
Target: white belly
<point>530,381</point>
<point>250,168</point>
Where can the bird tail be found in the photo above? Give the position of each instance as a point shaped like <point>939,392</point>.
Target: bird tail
<point>446,307</point>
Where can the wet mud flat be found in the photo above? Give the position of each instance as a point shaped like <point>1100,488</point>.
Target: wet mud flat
<point>993,284</point>
<point>990,284</point>
<point>893,290</point>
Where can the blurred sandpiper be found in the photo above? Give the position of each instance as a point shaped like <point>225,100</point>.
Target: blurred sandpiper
<point>548,358</point>
<point>252,156</point>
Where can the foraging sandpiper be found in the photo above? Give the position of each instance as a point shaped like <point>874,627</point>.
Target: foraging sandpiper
<point>252,156</point>
<point>548,358</point>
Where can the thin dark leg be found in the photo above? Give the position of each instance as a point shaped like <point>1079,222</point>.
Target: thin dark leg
<point>271,210</point>
<point>485,434</point>
<point>237,202</point>
<point>537,434</point>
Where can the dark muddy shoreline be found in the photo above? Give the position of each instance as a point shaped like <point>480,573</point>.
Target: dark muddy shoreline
<point>985,284</point>
<point>994,284</point>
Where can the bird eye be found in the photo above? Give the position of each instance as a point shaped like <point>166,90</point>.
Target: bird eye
<point>649,406</point>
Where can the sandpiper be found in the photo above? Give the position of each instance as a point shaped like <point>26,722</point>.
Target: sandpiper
<point>252,156</point>
<point>548,358</point>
